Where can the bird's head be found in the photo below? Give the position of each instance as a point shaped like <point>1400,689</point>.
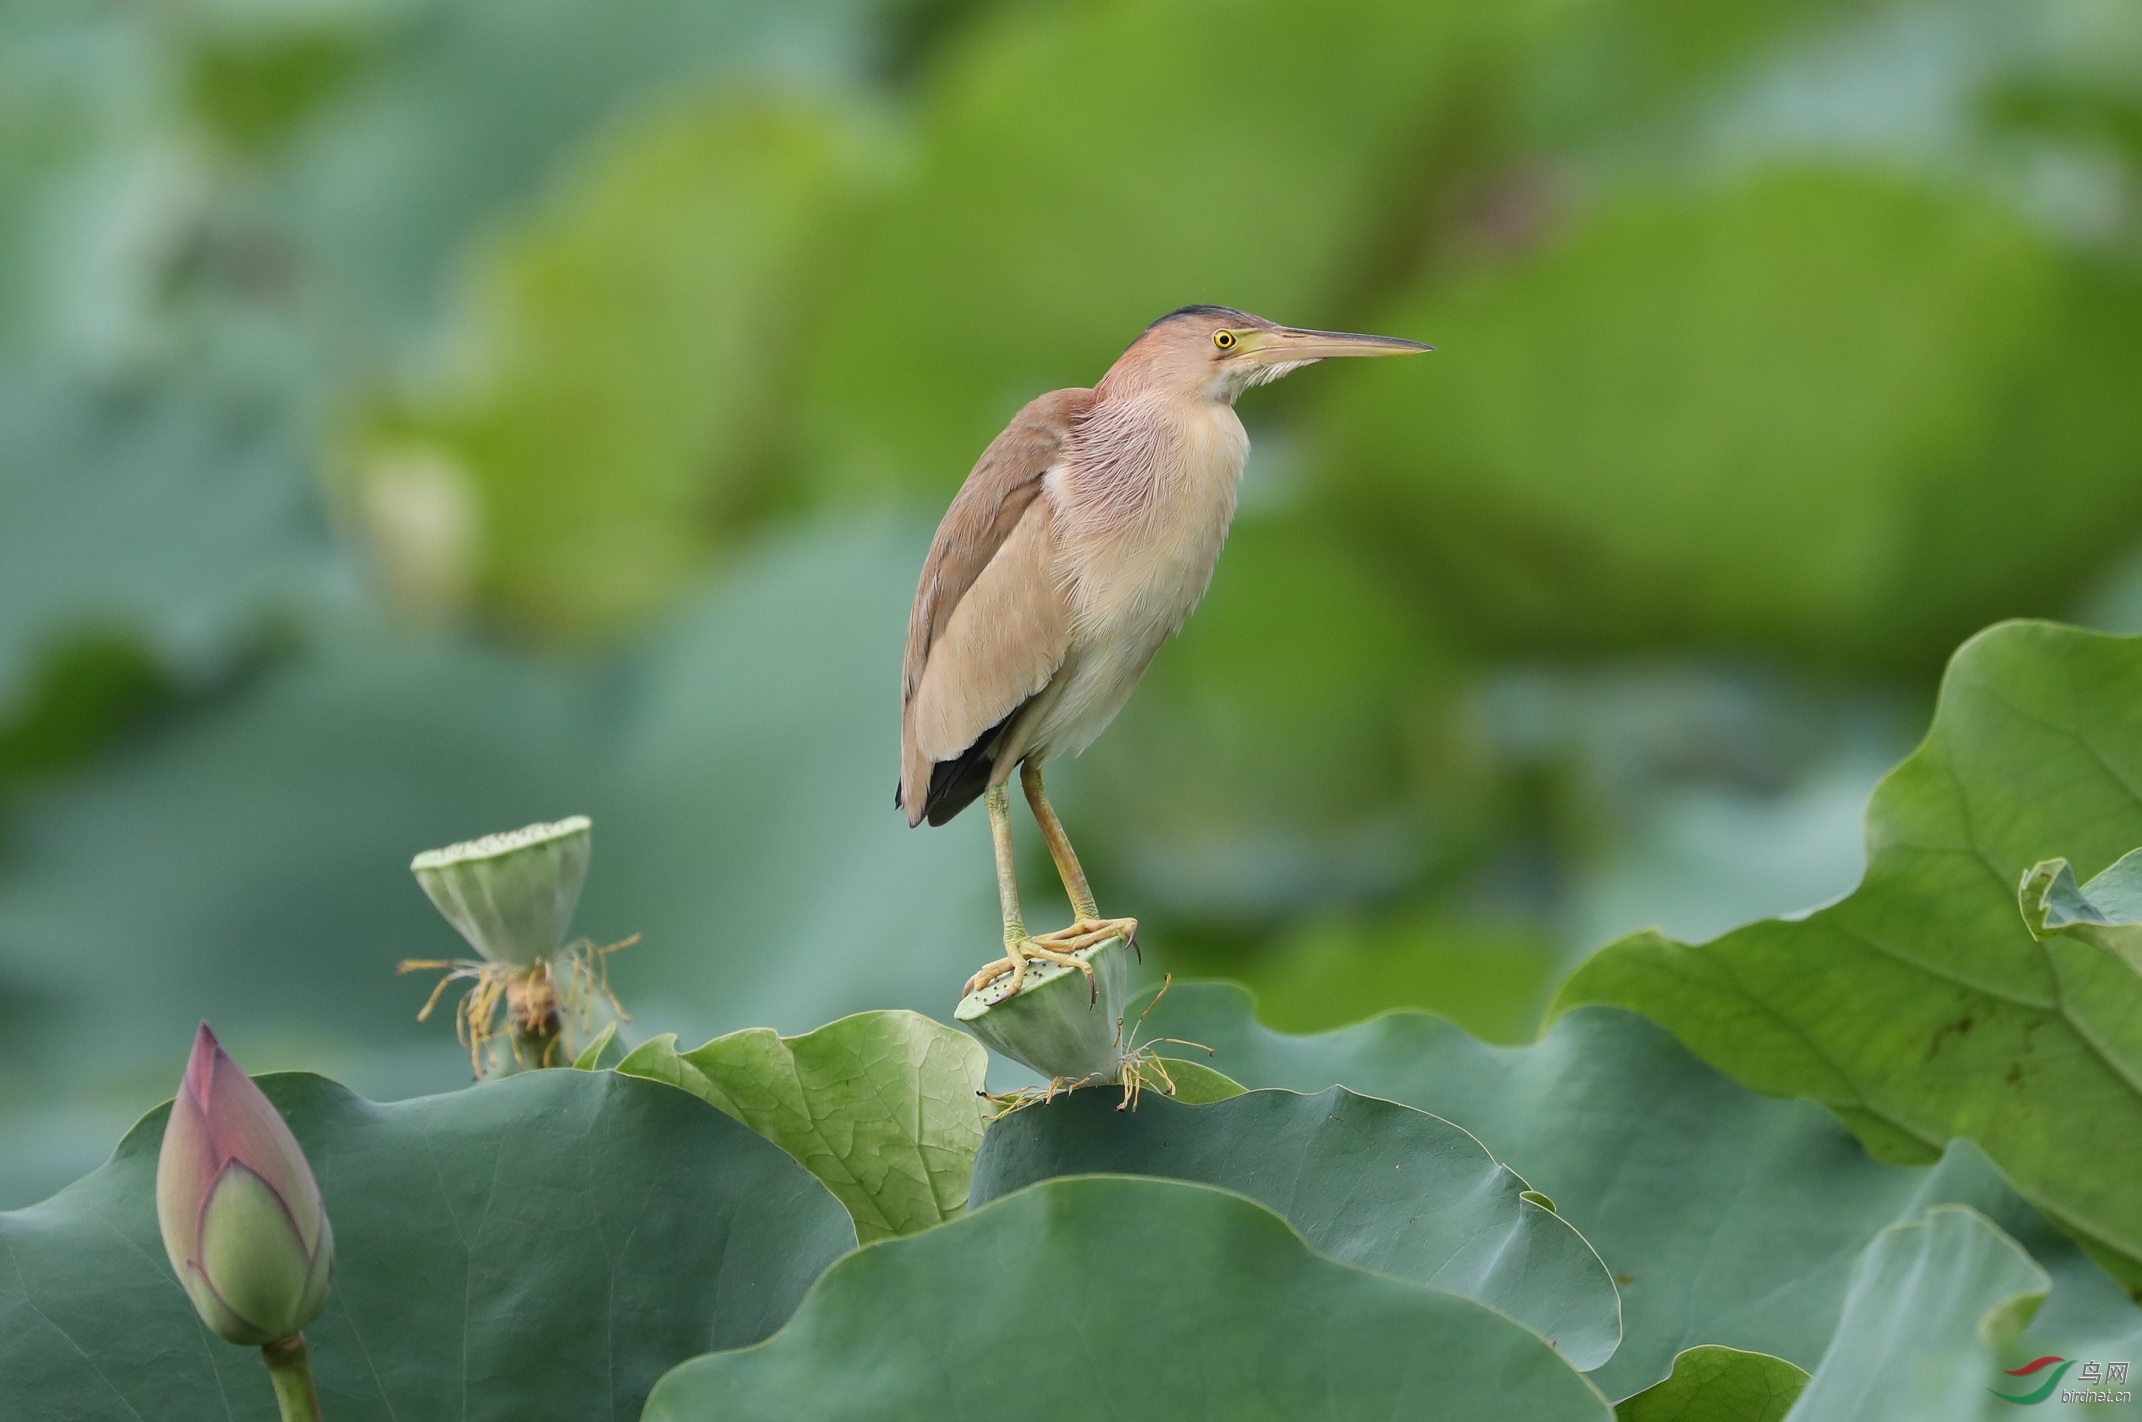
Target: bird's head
<point>1217,352</point>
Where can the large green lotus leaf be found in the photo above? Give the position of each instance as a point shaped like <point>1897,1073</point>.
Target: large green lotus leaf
<point>1919,1007</point>
<point>1130,1299</point>
<point>1929,1304</point>
<point>1791,412</point>
<point>1727,1218</point>
<point>884,1107</point>
<point>1367,1182</point>
<point>632,346</point>
<point>1714,1384</point>
<point>1082,169</point>
<point>249,862</point>
<point>540,1247</point>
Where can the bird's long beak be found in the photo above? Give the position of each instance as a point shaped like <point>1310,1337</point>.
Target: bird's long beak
<point>1288,345</point>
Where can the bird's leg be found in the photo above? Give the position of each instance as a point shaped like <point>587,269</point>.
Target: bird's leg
<point>1018,946</point>
<point>1089,927</point>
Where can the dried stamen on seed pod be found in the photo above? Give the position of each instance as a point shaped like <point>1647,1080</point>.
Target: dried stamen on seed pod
<point>1051,1028</point>
<point>542,1006</point>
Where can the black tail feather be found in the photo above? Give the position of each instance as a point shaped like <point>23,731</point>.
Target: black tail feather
<point>955,784</point>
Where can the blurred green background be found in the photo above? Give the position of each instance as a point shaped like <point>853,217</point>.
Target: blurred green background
<point>420,417</point>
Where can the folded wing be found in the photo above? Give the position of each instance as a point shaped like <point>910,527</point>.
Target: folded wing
<point>991,619</point>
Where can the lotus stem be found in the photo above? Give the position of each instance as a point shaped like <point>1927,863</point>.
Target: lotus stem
<point>290,1369</point>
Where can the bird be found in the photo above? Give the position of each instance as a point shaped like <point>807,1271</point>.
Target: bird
<point>1081,541</point>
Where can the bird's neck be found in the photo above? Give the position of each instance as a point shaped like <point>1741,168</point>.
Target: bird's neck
<point>1143,505</point>
<point>1133,455</point>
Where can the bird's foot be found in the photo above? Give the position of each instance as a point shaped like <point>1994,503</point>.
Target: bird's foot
<point>1088,932</point>
<point>1049,949</point>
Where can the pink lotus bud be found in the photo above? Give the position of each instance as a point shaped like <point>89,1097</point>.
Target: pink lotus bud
<point>238,1207</point>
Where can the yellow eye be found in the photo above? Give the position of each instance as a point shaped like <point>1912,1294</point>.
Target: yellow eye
<point>1225,340</point>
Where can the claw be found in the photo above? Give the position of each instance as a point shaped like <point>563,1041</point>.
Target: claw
<point>1016,956</point>
<point>990,972</point>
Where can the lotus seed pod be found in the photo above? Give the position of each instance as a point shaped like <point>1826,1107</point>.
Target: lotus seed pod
<point>510,895</point>
<point>238,1207</point>
<point>1057,1025</point>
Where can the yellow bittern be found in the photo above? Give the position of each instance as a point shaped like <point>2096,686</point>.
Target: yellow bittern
<point>1084,536</point>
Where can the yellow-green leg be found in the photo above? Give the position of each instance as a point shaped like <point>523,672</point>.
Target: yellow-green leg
<point>1088,927</point>
<point>1018,946</point>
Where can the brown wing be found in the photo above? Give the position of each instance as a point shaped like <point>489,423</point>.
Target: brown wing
<point>990,622</point>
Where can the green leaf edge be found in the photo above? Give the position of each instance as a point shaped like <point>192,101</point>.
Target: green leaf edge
<point>704,1070</point>
<point>804,1309</point>
<point>1682,1387</point>
<point>1888,1140</point>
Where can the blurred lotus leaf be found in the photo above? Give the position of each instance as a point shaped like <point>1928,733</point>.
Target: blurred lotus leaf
<point>1612,69</point>
<point>1929,1303</point>
<point>627,365</point>
<point>156,499</point>
<point>1277,754</point>
<point>463,109</point>
<point>1493,978</point>
<point>1082,169</point>
<point>210,220</point>
<point>1799,412</point>
<point>170,511</point>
